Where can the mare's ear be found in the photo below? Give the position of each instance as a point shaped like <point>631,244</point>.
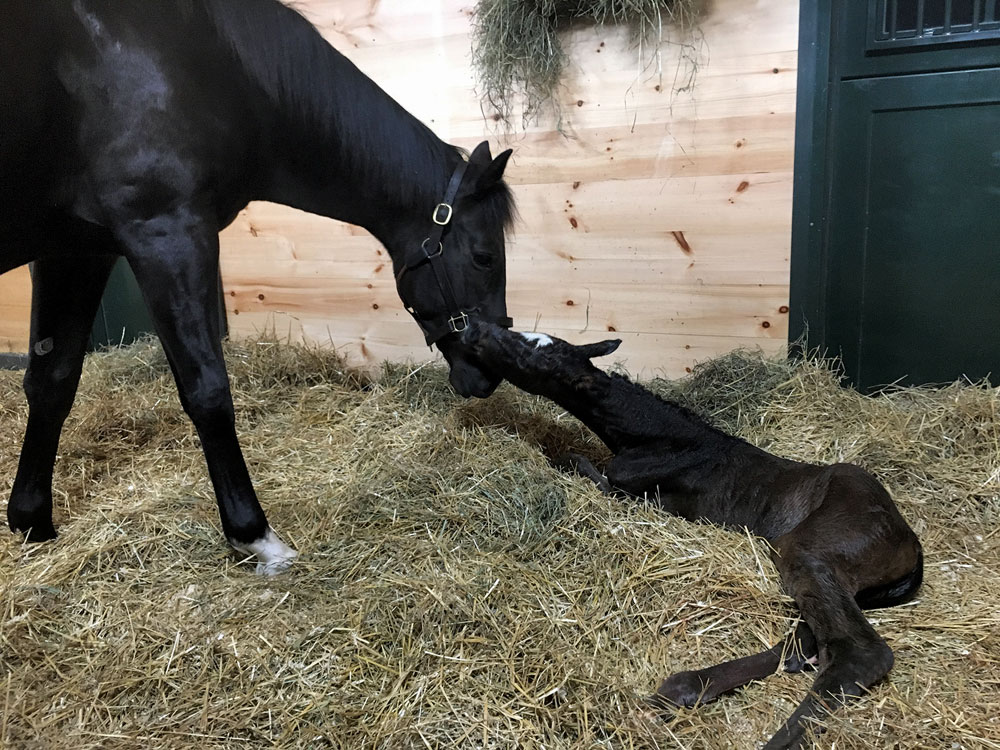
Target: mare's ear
<point>492,168</point>
<point>599,349</point>
<point>480,155</point>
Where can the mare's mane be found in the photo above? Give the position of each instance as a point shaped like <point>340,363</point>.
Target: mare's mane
<point>378,145</point>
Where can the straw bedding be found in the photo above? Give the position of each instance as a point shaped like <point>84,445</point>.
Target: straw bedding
<point>454,590</point>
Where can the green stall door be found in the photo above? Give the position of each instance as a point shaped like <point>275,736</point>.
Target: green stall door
<point>896,228</point>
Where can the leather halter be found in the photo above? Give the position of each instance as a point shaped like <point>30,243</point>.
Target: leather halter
<point>455,319</point>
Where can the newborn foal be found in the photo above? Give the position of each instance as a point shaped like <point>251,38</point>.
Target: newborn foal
<point>839,541</point>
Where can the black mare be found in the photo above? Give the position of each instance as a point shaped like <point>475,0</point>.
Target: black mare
<point>140,128</point>
<point>839,541</point>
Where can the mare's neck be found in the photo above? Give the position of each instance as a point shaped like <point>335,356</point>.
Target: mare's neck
<point>371,163</point>
<point>337,144</point>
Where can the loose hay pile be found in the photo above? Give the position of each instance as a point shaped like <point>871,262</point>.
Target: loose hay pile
<point>454,590</point>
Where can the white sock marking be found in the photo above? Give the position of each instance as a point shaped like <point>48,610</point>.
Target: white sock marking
<point>273,555</point>
<point>540,339</point>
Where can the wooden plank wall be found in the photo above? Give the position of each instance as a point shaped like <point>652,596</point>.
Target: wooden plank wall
<point>661,215</point>
<point>15,309</point>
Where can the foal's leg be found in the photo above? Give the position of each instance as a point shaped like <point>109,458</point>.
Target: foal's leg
<point>852,656</point>
<point>691,688</point>
<point>176,262</point>
<point>583,466</point>
<point>64,299</point>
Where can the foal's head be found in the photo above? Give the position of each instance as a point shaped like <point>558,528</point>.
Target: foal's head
<point>529,360</point>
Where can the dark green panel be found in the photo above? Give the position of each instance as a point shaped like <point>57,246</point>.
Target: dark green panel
<point>122,317</point>
<point>810,192</point>
<point>13,361</point>
<point>913,284</point>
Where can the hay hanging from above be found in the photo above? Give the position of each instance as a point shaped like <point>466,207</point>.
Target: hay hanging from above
<point>516,49</point>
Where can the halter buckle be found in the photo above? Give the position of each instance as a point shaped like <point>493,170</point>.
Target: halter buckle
<point>436,216</point>
<point>458,323</point>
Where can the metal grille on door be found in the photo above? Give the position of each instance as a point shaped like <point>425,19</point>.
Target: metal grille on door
<point>905,23</point>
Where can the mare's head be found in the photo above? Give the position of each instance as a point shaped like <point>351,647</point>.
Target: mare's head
<point>458,273</point>
<point>535,362</point>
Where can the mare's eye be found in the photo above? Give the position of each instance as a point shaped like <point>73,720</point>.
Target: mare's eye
<point>482,259</point>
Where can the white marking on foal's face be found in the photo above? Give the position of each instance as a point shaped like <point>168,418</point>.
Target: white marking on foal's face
<point>273,555</point>
<point>540,339</point>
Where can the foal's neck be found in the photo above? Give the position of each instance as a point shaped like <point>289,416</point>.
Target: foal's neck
<point>624,414</point>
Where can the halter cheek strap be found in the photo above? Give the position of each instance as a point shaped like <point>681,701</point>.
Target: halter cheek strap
<point>431,252</point>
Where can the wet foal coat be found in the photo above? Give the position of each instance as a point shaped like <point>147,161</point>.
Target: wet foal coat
<point>839,541</point>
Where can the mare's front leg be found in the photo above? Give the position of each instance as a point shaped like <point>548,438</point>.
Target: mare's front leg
<point>176,262</point>
<point>64,299</point>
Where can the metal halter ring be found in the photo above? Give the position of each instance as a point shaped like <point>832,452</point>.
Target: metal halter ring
<point>423,246</point>
<point>458,320</point>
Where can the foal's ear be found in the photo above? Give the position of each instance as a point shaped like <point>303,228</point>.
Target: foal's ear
<point>599,349</point>
<point>492,168</point>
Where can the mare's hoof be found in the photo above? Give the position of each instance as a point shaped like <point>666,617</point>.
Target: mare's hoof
<point>31,515</point>
<point>684,689</point>
<point>42,531</point>
<point>277,565</point>
<point>273,555</point>
<point>40,534</point>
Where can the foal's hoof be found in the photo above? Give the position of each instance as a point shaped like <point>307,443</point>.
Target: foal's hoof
<point>649,713</point>
<point>273,555</point>
<point>795,663</point>
<point>657,708</point>
<point>276,565</point>
<point>684,689</point>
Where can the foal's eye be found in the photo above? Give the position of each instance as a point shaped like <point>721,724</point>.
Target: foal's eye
<point>482,259</point>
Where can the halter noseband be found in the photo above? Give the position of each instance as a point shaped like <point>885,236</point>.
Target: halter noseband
<point>431,252</point>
